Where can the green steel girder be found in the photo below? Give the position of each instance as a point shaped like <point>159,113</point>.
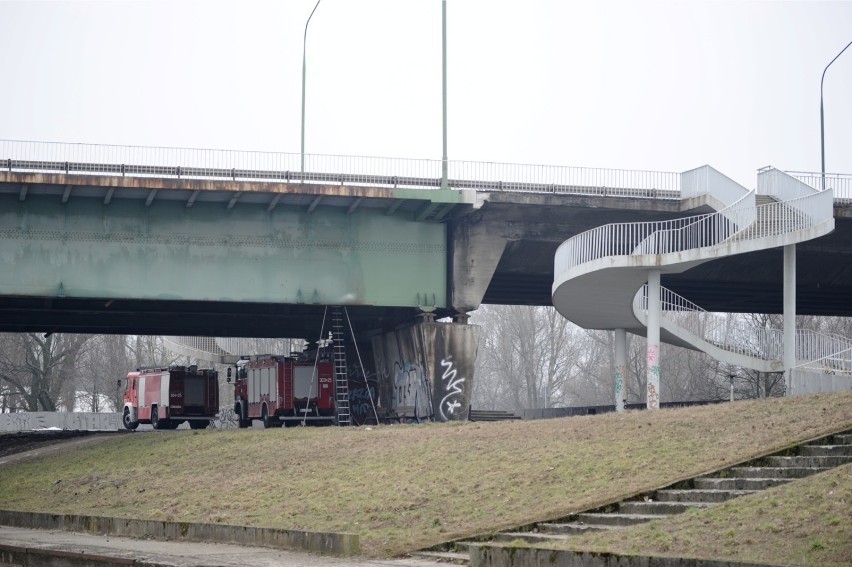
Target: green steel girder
<point>168,250</point>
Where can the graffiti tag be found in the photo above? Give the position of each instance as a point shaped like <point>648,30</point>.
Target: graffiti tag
<point>454,398</point>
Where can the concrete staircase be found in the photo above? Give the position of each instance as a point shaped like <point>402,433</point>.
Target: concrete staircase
<point>699,492</point>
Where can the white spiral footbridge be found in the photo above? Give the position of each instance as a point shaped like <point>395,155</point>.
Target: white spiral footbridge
<point>609,278</point>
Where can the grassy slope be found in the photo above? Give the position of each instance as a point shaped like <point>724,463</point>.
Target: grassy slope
<point>803,524</point>
<point>406,487</point>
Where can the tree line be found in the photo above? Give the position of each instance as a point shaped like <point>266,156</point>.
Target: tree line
<point>68,372</point>
<point>532,357</point>
<point>528,357</point>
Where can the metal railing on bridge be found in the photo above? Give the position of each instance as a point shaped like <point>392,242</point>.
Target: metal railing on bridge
<point>191,163</point>
<point>736,333</point>
<point>840,182</point>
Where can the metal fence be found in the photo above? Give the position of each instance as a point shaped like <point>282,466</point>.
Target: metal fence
<point>734,333</point>
<point>192,163</point>
<point>841,183</point>
<point>741,221</point>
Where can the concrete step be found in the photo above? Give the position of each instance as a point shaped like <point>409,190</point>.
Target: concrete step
<point>652,507</point>
<point>708,496</point>
<point>738,483</point>
<point>530,537</point>
<point>615,519</point>
<point>825,450</point>
<point>843,439</point>
<point>445,557</point>
<point>774,472</point>
<point>571,528</point>
<point>799,461</point>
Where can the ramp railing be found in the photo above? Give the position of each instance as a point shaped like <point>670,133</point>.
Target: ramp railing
<point>840,183</point>
<point>733,333</point>
<point>741,221</point>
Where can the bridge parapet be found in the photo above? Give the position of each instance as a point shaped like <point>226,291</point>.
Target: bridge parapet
<point>191,163</point>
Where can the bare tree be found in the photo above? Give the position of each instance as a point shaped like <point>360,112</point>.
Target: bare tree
<point>105,359</point>
<point>37,369</point>
<point>525,359</point>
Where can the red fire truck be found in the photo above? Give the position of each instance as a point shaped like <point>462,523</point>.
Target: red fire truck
<point>277,390</point>
<point>166,397</point>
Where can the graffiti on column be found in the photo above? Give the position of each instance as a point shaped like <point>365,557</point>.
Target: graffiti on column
<point>363,394</point>
<point>453,399</point>
<point>410,388</point>
<point>653,395</point>
<point>226,419</point>
<point>620,373</point>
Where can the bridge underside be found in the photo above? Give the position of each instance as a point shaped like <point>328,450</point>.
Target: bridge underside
<point>128,258</point>
<point>747,283</point>
<point>185,318</point>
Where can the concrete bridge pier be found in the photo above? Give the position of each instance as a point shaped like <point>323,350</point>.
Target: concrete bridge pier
<point>425,369</point>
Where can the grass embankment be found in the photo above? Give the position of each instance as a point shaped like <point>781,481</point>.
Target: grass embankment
<point>407,487</point>
<point>803,524</point>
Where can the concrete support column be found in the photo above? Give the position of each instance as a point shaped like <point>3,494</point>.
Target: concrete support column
<point>789,316</point>
<point>425,370</point>
<point>620,369</point>
<point>652,397</point>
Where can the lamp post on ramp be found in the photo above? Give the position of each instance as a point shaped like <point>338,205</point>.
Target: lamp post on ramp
<point>822,113</point>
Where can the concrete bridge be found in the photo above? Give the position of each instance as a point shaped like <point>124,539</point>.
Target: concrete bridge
<point>108,239</point>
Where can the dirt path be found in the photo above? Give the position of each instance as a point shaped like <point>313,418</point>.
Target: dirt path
<point>21,445</point>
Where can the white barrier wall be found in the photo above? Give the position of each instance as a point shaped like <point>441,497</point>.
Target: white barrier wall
<point>29,421</point>
<point>807,381</point>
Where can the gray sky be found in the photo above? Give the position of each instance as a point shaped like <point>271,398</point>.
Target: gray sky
<point>636,85</point>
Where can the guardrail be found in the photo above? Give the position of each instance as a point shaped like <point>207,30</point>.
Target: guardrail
<point>727,332</point>
<point>841,183</point>
<point>741,221</point>
<point>191,163</point>
<point>827,352</point>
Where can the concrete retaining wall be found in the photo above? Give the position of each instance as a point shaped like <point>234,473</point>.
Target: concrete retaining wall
<point>30,557</point>
<point>83,421</point>
<point>808,381</point>
<point>315,542</point>
<point>508,556</point>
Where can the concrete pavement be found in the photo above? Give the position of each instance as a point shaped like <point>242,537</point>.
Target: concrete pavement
<point>150,553</point>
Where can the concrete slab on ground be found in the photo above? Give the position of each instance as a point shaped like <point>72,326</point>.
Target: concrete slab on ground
<point>181,554</point>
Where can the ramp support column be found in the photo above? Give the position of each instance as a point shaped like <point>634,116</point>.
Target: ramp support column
<point>620,369</point>
<point>789,316</point>
<point>652,398</point>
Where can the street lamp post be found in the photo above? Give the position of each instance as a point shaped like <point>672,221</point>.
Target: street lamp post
<point>304,65</point>
<point>444,164</point>
<point>822,113</point>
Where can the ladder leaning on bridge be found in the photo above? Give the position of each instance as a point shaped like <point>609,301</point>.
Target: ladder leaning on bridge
<point>341,374</point>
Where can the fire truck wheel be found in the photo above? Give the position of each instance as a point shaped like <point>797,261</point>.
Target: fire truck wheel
<point>128,421</point>
<point>242,421</point>
<point>155,417</point>
<point>267,421</point>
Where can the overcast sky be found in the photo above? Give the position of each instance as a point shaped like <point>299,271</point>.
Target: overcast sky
<point>636,85</point>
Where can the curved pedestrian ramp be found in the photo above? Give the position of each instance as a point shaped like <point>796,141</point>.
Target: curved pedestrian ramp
<point>703,491</point>
<point>609,278</point>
